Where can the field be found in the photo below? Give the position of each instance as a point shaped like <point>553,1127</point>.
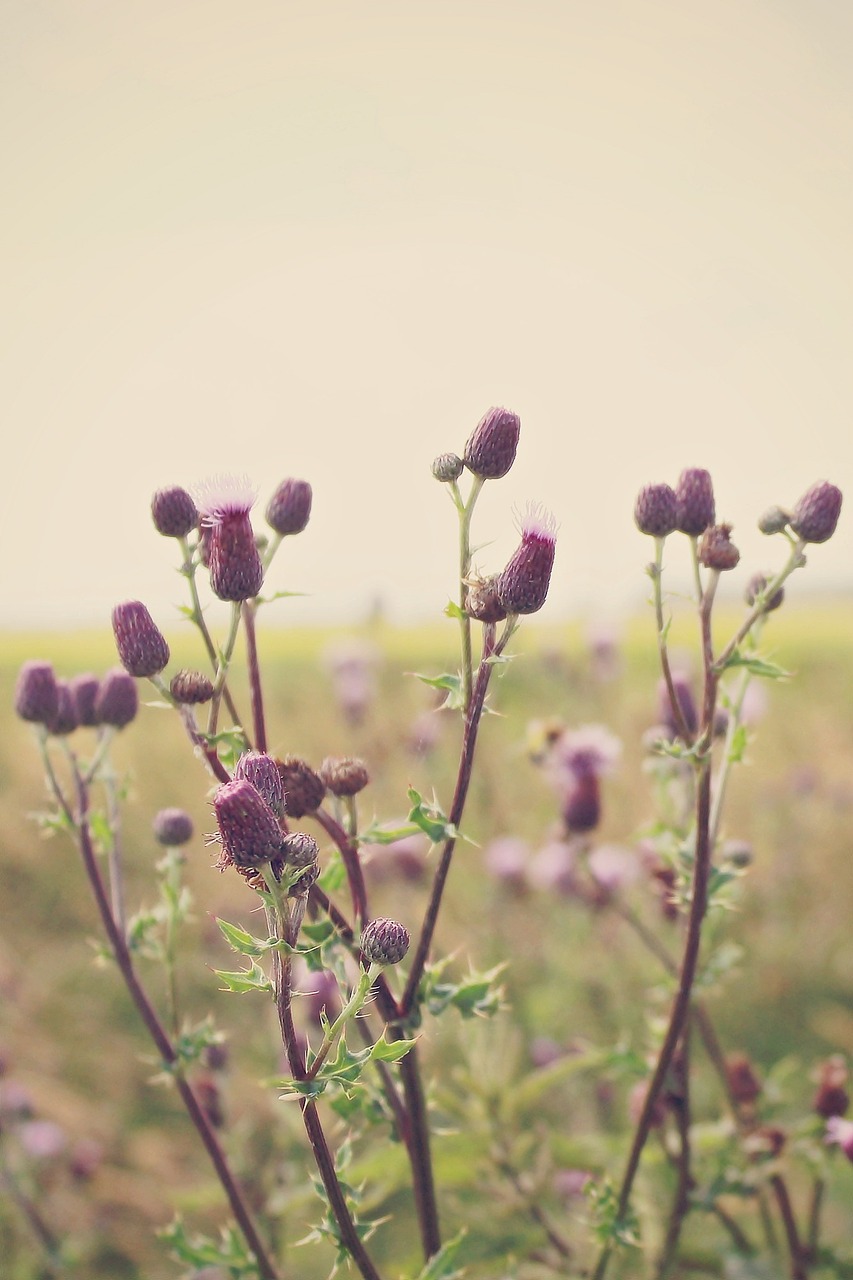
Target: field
<point>118,1158</point>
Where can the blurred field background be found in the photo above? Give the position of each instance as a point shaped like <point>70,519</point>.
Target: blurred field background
<point>124,1159</point>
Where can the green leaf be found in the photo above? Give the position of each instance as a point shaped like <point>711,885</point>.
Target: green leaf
<point>738,744</point>
<point>452,610</point>
<point>477,995</point>
<point>442,1265</point>
<point>390,1050</point>
<point>384,834</point>
<point>334,874</point>
<point>241,941</point>
<point>430,819</point>
<point>451,683</point>
<point>253,979</point>
<point>756,665</point>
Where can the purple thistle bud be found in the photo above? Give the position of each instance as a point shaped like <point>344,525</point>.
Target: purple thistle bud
<point>322,994</point>
<point>344,776</point>
<point>191,687</point>
<point>172,827</point>
<point>384,941</point>
<point>248,828</point>
<point>236,571</point>
<point>491,447</point>
<point>716,550</point>
<point>84,691</point>
<point>447,467</point>
<point>262,771</point>
<point>173,512</point>
<point>118,699</point>
<point>64,720</point>
<point>303,789</point>
<point>695,495</point>
<point>142,648</point>
<point>582,804</point>
<point>683,690</point>
<point>523,585</point>
<point>289,509</point>
<point>36,692</point>
<point>816,514</point>
<point>656,510</point>
<point>756,587</point>
<point>299,849</point>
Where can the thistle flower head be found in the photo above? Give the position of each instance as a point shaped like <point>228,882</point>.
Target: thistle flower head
<point>172,827</point>
<point>840,1133</point>
<point>384,941</point>
<point>142,648</point>
<point>816,514</point>
<point>582,804</point>
<point>522,587</point>
<point>118,700</point>
<point>695,495</point>
<point>832,1098</point>
<point>656,510</point>
<point>173,512</point>
<point>491,447</point>
<point>262,771</point>
<point>589,749</point>
<point>64,720</point>
<point>303,789</point>
<point>224,497</point>
<point>248,828</point>
<point>191,687</point>
<point>36,692</point>
<point>344,776</point>
<point>744,1084</point>
<point>84,691</point>
<point>289,509</point>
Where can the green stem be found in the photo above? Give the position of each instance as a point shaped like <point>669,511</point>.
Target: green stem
<point>188,569</point>
<point>223,665</point>
<point>466,510</point>
<point>350,1009</point>
<point>657,579</point>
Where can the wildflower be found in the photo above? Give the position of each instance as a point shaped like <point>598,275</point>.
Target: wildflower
<point>816,514</point>
<point>589,749</point>
<point>118,700</point>
<point>299,849</point>
<point>613,868</point>
<point>262,771</point>
<point>236,571</point>
<point>506,859</point>
<point>832,1098</point>
<point>716,550</point>
<point>491,447</point>
<point>344,776</point>
<point>173,512</point>
<point>36,692</point>
<point>384,941</point>
<point>695,495</point>
<point>289,509</point>
<point>172,827</point>
<point>303,789</point>
<point>582,804</point>
<point>523,585</point>
<point>447,467</point>
<point>84,693</point>
<point>656,510</point>
<point>840,1132</point>
<point>191,687</point>
<point>554,868</point>
<point>248,829</point>
<point>142,648</point>
<point>64,720</point>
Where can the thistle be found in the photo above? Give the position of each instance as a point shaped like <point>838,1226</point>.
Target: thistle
<point>289,509</point>
<point>248,828</point>
<point>173,512</point>
<point>656,510</point>
<point>142,648</point>
<point>816,514</point>
<point>172,827</point>
<point>384,941</point>
<point>695,495</point>
<point>236,571</point>
<point>491,447</point>
<point>523,585</point>
<point>118,700</point>
<point>36,692</point>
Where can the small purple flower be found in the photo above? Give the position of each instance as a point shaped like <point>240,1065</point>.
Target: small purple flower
<point>36,692</point>
<point>506,859</point>
<point>523,586</point>
<point>554,868</point>
<point>84,691</point>
<point>695,494</point>
<point>236,571</point>
<point>173,512</point>
<point>142,648</point>
<point>816,514</point>
<point>589,749</point>
<point>118,699</point>
<point>840,1133</point>
<point>64,720</point>
<point>289,509</point>
<point>492,445</point>
<point>613,867</point>
<point>262,771</point>
<point>248,828</point>
<point>172,827</point>
<point>582,804</point>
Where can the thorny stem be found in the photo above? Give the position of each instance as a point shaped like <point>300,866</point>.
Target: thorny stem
<point>352,864</point>
<point>350,1009</point>
<point>258,723</point>
<point>222,667</point>
<point>795,561</point>
<point>37,1223</point>
<point>114,852</point>
<point>202,748</point>
<point>188,569</point>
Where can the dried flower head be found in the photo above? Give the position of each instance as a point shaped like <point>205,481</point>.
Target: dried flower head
<point>84,691</point>
<point>816,514</point>
<point>172,827</point>
<point>384,941</point>
<point>345,775</point>
<point>447,467</point>
<point>303,789</point>
<point>248,828</point>
<point>236,571</point>
<point>656,510</point>
<point>299,849</point>
<point>118,699</point>
<point>142,648</point>
<point>716,550</point>
<point>262,771</point>
<point>757,586</point>
<point>491,447</point>
<point>482,602</point>
<point>523,585</point>
<point>695,495</point>
<point>289,509</point>
<point>36,692</point>
<point>173,512</point>
<point>191,688</point>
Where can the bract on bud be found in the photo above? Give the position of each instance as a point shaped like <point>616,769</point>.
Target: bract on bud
<point>756,587</point>
<point>695,495</point>
<point>36,692</point>
<point>303,789</point>
<point>384,941</point>
<point>482,602</point>
<point>447,467</point>
<point>142,648</point>
<point>118,699</point>
<point>716,550</point>
<point>173,512</point>
<point>816,514</point>
<point>236,570</point>
<point>191,688</point>
<point>656,510</point>
<point>64,719</point>
<point>84,691</point>
<point>774,520</point>
<point>299,849</point>
<point>523,585</point>
<point>248,828</point>
<point>491,447</point>
<point>308,878</point>
<point>289,509</point>
<point>262,771</point>
<point>172,827</point>
<point>344,776</point>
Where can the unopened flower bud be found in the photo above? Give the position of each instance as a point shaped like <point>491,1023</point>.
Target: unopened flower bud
<point>248,828</point>
<point>262,771</point>
<point>716,550</point>
<point>289,509</point>
<point>142,648</point>
<point>84,691</point>
<point>482,602</point>
<point>695,495</point>
<point>683,691</point>
<point>36,692</point>
<point>172,827</point>
<point>756,587</point>
<point>816,514</point>
<point>523,585</point>
<point>582,804</point>
<point>491,447</point>
<point>656,510</point>
<point>236,570</point>
<point>303,789</point>
<point>832,1098</point>
<point>299,849</point>
<point>173,512</point>
<point>344,776</point>
<point>774,520</point>
<point>64,719</point>
<point>744,1084</point>
<point>191,688</point>
<point>118,699</point>
<point>447,467</point>
<point>384,941</point>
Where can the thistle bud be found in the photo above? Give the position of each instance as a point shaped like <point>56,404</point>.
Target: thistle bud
<point>289,509</point>
<point>84,691</point>
<point>582,804</point>
<point>236,571</point>
<point>262,771</point>
<point>142,649</point>
<point>248,828</point>
<point>774,520</point>
<point>756,587</point>
<point>344,776</point>
<point>683,690</point>
<point>64,719</point>
<point>447,467</point>
<point>173,512</point>
<point>491,447</point>
<point>299,849</point>
<point>191,688</point>
<point>816,514</point>
<point>523,585</point>
<point>695,495</point>
<point>118,699</point>
<point>36,692</point>
<point>303,789</point>
<point>832,1098</point>
<point>744,1084</point>
<point>716,550</point>
<point>172,827</point>
<point>656,510</point>
<point>384,941</point>
<point>482,602</point>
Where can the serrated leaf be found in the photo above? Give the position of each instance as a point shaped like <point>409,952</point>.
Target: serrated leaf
<point>442,1265</point>
<point>253,979</point>
<point>334,874</point>
<point>756,665</point>
<point>390,1050</point>
<point>241,941</point>
<point>278,595</point>
<point>451,683</point>
<point>453,610</point>
<point>384,834</point>
<point>429,818</point>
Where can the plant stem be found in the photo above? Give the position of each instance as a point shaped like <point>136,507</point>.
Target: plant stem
<point>222,667</point>
<point>352,863</point>
<point>681,1201</point>
<point>792,1237</point>
<point>188,569</point>
<point>465,510</point>
<point>350,1009</point>
<point>38,1225</point>
<point>258,722</point>
<point>656,571</point>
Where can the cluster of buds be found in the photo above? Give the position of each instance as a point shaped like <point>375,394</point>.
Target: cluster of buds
<point>61,706</point>
<point>688,508</point>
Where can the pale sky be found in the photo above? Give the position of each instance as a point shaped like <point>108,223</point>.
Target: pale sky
<point>321,239</point>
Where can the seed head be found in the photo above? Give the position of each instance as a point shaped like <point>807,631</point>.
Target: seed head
<point>656,510</point>
<point>716,550</point>
<point>36,692</point>
<point>262,771</point>
<point>142,649</point>
<point>64,720</point>
<point>172,827</point>
<point>84,691</point>
<point>191,687</point>
<point>523,585</point>
<point>303,789</point>
<point>173,512</point>
<point>236,571</point>
<point>695,495</point>
<point>384,941</point>
<point>491,447</point>
<point>344,776</point>
<point>816,514</point>
<point>248,828</point>
<point>832,1098</point>
<point>299,849</point>
<point>118,699</point>
<point>756,587</point>
<point>447,467</point>
<point>289,509</point>
<point>774,520</point>
<point>482,602</point>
